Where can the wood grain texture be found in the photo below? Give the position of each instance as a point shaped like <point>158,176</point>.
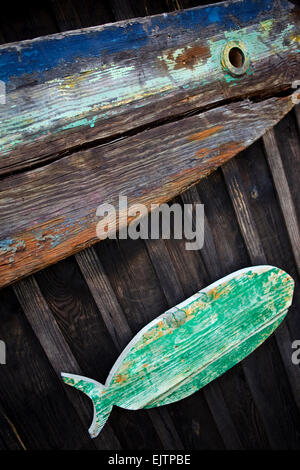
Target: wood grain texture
<point>50,213</point>
<point>170,358</point>
<point>88,85</point>
<point>71,88</point>
<point>30,389</point>
<point>249,231</point>
<point>52,341</point>
<point>284,193</point>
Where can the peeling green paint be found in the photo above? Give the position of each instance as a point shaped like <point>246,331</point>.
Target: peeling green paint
<point>193,343</point>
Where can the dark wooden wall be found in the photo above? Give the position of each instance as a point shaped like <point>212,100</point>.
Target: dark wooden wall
<point>77,315</point>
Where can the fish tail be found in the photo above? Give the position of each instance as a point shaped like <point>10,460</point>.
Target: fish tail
<point>97,393</point>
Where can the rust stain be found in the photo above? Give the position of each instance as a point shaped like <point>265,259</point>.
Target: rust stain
<point>190,57</point>
<point>189,99</point>
<point>218,292</point>
<point>222,153</point>
<point>161,63</point>
<point>204,152</point>
<point>121,378</point>
<point>204,134</point>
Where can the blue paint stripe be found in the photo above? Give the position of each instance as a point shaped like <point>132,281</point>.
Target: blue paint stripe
<point>40,56</point>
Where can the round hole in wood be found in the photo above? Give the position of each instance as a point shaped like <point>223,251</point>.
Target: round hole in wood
<point>236,57</point>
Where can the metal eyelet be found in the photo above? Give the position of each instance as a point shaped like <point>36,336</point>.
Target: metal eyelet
<point>235,59</point>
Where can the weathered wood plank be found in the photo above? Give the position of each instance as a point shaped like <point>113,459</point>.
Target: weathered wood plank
<point>243,214</point>
<point>262,419</point>
<point>169,360</point>
<point>50,213</point>
<point>55,346</point>
<point>163,267</point>
<point>32,398</point>
<point>10,438</point>
<point>297,111</point>
<point>120,332</point>
<point>289,148</point>
<point>71,88</point>
<point>263,201</point>
<point>76,313</point>
<point>209,252</point>
<point>283,191</point>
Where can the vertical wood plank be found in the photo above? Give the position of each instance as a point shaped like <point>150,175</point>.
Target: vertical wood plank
<point>297,113</point>
<point>254,247</point>
<point>283,192</point>
<point>287,134</point>
<point>33,400</point>
<point>117,325</point>
<point>56,348</point>
<point>10,439</point>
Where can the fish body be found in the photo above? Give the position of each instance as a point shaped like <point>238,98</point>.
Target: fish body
<point>193,343</point>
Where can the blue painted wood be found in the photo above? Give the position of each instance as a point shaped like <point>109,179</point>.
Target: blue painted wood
<point>69,89</point>
<point>40,56</point>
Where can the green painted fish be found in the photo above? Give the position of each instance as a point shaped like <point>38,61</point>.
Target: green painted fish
<point>193,343</point>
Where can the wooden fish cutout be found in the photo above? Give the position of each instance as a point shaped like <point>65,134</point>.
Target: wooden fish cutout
<point>193,343</point>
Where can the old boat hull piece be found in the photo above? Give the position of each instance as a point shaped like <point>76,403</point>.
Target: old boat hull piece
<point>193,343</point>
<point>144,108</point>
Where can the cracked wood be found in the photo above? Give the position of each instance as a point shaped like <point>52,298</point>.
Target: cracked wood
<point>135,80</point>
